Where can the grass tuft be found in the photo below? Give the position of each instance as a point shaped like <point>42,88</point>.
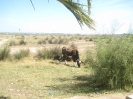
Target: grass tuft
<point>21,54</point>
<point>4,53</point>
<point>50,53</point>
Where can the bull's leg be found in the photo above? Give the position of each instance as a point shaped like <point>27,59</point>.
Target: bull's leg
<point>75,64</point>
<point>60,58</point>
<point>79,62</point>
<point>74,60</point>
<point>65,61</point>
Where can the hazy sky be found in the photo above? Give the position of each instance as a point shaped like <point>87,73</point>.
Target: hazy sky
<point>53,17</point>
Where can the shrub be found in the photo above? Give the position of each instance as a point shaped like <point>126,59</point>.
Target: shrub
<point>21,54</point>
<point>50,41</point>
<point>55,41</point>
<point>22,42</point>
<point>113,63</point>
<point>50,53</point>
<point>12,43</point>
<point>90,39</point>
<point>61,41</point>
<point>42,41</point>
<point>80,38</point>
<point>4,53</point>
<point>73,45</point>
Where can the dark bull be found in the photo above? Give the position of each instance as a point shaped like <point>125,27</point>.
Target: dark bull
<point>66,52</point>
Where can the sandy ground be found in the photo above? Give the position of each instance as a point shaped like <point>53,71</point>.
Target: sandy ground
<point>104,96</point>
<point>3,41</point>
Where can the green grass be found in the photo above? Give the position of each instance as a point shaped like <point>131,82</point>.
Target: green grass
<point>42,79</point>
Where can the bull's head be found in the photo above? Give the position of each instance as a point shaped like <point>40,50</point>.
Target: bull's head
<point>79,63</point>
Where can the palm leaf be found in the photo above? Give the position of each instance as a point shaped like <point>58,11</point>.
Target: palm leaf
<point>89,6</point>
<point>32,4</point>
<point>79,13</point>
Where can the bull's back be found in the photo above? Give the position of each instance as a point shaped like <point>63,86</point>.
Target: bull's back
<point>67,51</point>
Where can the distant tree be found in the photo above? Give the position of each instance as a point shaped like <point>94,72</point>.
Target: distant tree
<point>80,11</point>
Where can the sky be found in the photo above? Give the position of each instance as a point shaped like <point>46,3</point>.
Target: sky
<point>110,16</point>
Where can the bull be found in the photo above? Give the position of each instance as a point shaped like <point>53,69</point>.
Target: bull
<point>66,52</point>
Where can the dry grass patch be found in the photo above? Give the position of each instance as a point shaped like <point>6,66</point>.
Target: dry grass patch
<point>41,79</point>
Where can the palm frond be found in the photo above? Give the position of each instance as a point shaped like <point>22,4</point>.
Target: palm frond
<point>79,13</point>
<point>89,6</point>
<point>32,4</point>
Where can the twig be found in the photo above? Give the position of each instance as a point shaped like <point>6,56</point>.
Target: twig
<point>32,4</point>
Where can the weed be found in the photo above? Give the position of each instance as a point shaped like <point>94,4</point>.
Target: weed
<point>22,42</point>
<point>12,43</point>
<point>73,45</point>
<point>21,54</point>
<point>4,53</point>
<point>42,41</point>
<point>48,53</point>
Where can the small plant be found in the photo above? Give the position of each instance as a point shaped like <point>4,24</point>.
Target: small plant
<point>12,43</point>
<point>22,42</point>
<point>50,41</point>
<point>60,41</point>
<point>42,41</point>
<point>21,54</point>
<point>55,41</point>
<point>80,38</point>
<point>90,39</point>
<point>4,53</point>
<point>73,45</point>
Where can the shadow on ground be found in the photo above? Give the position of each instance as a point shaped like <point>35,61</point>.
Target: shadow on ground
<point>57,63</point>
<point>3,97</point>
<point>76,85</point>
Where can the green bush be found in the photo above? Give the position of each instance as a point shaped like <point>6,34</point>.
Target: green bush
<point>50,53</point>
<point>22,42</point>
<point>4,53</point>
<point>21,54</point>
<point>113,63</point>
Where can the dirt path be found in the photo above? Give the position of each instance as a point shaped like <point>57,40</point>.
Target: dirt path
<point>3,41</point>
<point>103,96</point>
